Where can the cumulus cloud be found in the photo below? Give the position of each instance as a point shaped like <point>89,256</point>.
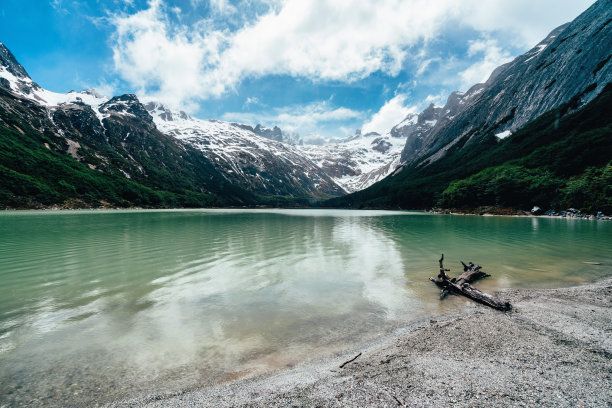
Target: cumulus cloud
<point>315,39</point>
<point>389,115</point>
<point>492,57</point>
<point>529,21</point>
<point>161,61</point>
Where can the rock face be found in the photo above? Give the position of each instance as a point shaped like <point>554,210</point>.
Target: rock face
<point>255,162</point>
<point>273,134</point>
<point>574,61</point>
<point>415,127</point>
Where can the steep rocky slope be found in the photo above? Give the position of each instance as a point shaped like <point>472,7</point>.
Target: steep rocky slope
<point>575,59</point>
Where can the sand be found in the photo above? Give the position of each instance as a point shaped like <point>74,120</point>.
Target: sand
<point>553,349</point>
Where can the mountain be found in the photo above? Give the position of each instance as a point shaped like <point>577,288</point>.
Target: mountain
<point>154,147</point>
<point>256,163</point>
<point>267,161</point>
<point>81,149</point>
<point>357,162</point>
<point>543,120</point>
<point>361,160</point>
<point>573,59</point>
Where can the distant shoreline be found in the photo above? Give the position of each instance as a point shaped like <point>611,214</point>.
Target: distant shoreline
<point>553,349</point>
<point>511,212</point>
<point>486,212</point>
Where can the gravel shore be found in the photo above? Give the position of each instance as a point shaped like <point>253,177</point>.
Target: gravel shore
<point>553,350</point>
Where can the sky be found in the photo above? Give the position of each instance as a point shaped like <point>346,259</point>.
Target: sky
<point>318,68</point>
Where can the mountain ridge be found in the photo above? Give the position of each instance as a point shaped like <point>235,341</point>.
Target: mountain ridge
<point>560,66</point>
<point>477,129</point>
<point>82,150</point>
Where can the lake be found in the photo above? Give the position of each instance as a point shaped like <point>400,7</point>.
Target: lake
<point>97,306</point>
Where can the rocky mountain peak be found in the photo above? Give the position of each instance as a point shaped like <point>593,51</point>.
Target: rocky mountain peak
<point>126,104</point>
<point>432,112</point>
<point>274,133</point>
<point>8,62</point>
<point>13,77</point>
<point>157,109</point>
<point>416,125</point>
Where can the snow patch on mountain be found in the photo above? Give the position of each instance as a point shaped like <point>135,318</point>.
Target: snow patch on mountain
<point>359,161</point>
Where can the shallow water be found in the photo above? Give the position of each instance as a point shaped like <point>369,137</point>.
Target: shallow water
<point>100,306</point>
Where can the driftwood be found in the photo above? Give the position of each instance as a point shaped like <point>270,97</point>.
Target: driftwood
<point>461,285</point>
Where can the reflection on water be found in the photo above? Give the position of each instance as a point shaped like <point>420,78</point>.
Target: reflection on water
<point>96,306</point>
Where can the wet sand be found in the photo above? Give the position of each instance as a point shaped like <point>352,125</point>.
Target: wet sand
<point>554,349</point>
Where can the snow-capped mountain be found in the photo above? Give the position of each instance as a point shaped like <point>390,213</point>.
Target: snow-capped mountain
<point>13,77</point>
<point>361,160</point>
<point>244,158</point>
<point>255,162</point>
<point>358,162</point>
<point>82,149</point>
<point>260,159</point>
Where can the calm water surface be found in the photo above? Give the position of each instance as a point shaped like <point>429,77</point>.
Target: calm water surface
<point>100,306</point>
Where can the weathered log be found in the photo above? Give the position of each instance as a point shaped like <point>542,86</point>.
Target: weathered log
<point>470,274</point>
<point>471,292</point>
<point>461,285</point>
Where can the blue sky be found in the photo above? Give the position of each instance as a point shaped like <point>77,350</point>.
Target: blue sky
<point>316,67</point>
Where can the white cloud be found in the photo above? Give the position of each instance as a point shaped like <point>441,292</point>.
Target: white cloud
<point>162,62</point>
<point>438,99</point>
<point>252,101</point>
<point>424,64</point>
<point>492,57</point>
<point>223,7</point>
<point>529,21</point>
<point>389,115</point>
<point>314,39</point>
<point>103,89</point>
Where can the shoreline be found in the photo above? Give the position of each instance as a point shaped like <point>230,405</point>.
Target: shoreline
<point>436,211</point>
<point>511,212</point>
<point>553,349</point>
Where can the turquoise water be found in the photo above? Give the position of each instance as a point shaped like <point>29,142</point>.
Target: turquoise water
<point>97,306</point>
